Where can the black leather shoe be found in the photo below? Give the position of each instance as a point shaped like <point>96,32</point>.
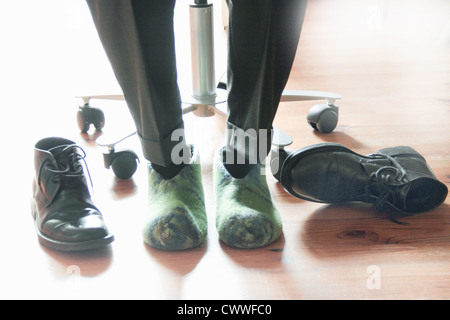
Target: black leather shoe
<point>396,180</point>
<point>65,216</point>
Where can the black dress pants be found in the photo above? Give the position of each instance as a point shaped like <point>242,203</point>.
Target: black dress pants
<point>138,37</point>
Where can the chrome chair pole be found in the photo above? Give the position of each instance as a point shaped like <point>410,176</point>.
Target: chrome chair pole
<point>202,50</point>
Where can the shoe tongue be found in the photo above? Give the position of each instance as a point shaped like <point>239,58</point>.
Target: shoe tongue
<point>64,156</point>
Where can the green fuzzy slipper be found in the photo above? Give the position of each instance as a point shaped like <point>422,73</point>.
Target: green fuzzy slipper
<point>176,215</point>
<point>246,216</point>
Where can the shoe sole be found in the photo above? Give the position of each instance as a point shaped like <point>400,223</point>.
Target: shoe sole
<point>293,158</point>
<point>68,246</point>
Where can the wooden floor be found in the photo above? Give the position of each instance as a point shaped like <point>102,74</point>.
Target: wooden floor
<point>390,61</point>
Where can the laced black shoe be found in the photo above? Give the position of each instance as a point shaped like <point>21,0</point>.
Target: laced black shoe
<point>396,180</point>
<point>65,216</point>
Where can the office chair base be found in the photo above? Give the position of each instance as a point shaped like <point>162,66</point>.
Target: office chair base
<point>206,106</point>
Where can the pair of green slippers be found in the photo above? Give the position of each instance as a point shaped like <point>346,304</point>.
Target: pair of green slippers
<point>176,218</point>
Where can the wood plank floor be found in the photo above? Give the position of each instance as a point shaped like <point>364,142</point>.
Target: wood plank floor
<point>390,61</point>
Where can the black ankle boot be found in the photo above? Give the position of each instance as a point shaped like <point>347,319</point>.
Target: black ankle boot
<point>396,180</point>
<point>66,218</point>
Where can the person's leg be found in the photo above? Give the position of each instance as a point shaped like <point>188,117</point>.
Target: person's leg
<point>138,38</point>
<point>263,39</point>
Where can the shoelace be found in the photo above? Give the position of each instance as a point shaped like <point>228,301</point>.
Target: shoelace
<point>382,180</point>
<point>71,170</point>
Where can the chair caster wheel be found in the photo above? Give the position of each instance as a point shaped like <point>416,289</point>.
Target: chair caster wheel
<point>323,117</point>
<point>124,163</point>
<point>88,115</point>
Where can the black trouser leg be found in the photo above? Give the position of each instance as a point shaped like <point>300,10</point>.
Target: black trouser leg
<point>138,38</point>
<point>263,40</point>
